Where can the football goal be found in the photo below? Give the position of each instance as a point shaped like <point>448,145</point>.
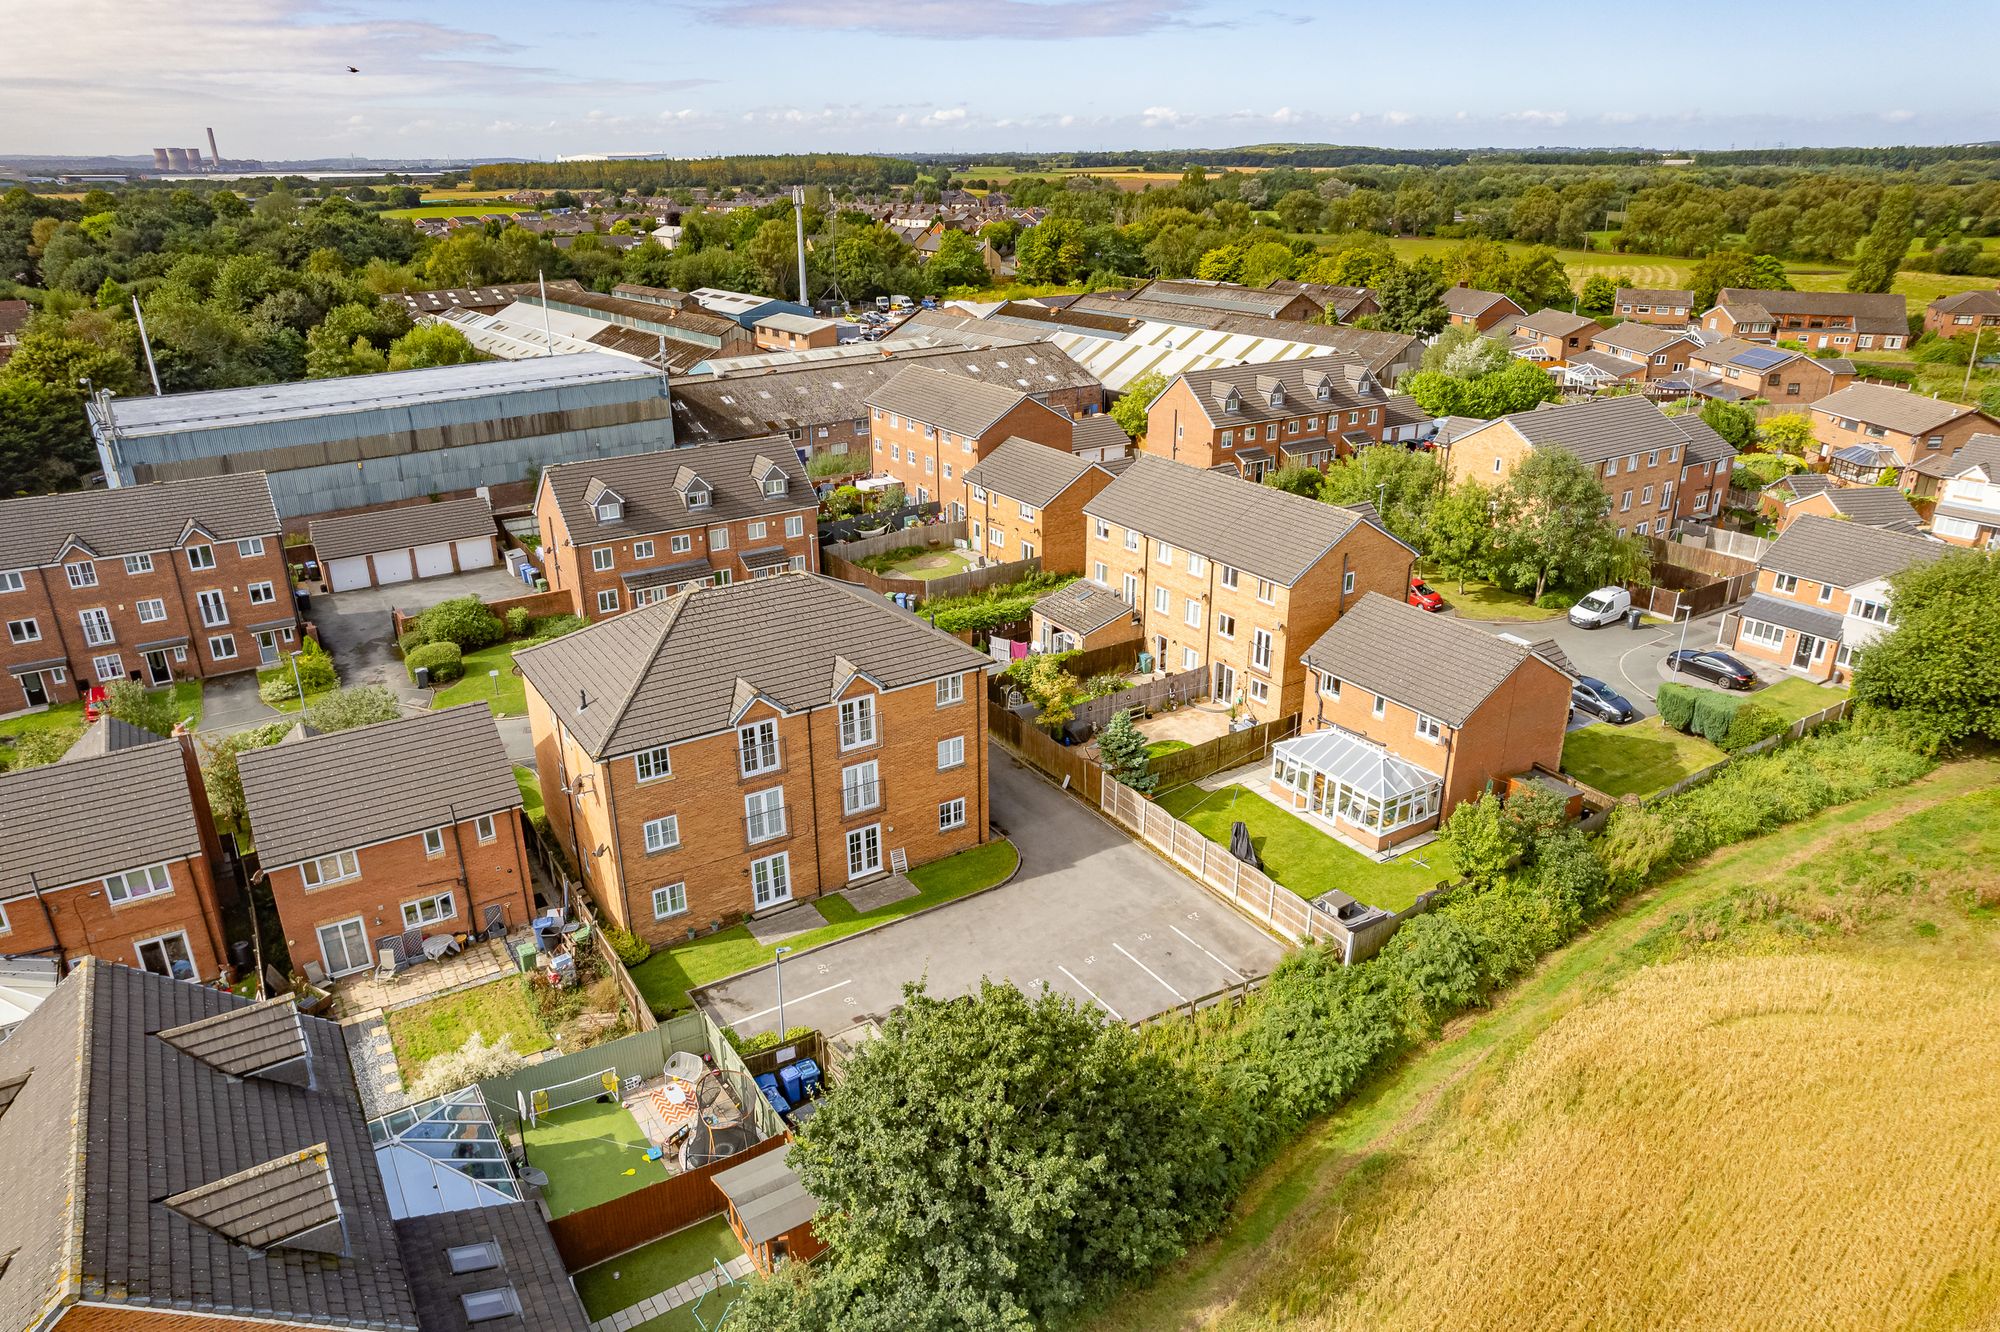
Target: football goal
<point>540,1101</point>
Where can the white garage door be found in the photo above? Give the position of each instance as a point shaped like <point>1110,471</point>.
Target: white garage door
<point>393,566</point>
<point>476,553</point>
<point>348,574</point>
<point>434,559</point>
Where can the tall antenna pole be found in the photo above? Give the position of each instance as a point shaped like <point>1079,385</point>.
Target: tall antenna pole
<point>544,283</point>
<point>147,343</point>
<point>799,225</point>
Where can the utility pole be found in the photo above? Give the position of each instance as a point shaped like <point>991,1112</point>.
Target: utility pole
<point>543,282</point>
<point>1977,331</point>
<point>799,227</point>
<point>147,343</point>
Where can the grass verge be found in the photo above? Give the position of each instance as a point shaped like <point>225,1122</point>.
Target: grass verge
<point>1795,698</point>
<point>1637,759</point>
<point>1484,601</point>
<point>507,696</point>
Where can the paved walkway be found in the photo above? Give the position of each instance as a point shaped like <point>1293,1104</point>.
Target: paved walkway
<point>674,1297</point>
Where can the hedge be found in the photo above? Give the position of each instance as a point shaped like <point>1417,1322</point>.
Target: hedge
<point>1713,712</point>
<point>1752,722</point>
<point>444,661</point>
<point>1676,704</point>
<point>465,621</point>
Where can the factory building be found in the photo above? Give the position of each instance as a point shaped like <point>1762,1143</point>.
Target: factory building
<point>329,445</point>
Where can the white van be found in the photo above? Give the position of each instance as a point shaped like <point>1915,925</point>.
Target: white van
<point>1607,605</point>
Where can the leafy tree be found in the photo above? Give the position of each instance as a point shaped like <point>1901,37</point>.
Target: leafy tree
<point>1265,262</point>
<point>1436,963</point>
<point>1521,386</point>
<point>1935,677</point>
<point>1735,422</point>
<point>1298,479</point>
<point>1461,534</point>
<point>1411,297</point>
<point>344,709</point>
<point>1554,526</point>
<point>1790,433</point>
<point>1888,241</point>
<point>957,262</point>
<point>1463,352</point>
<point>352,338</point>
<point>133,703</point>
<point>1481,840</point>
<point>1052,251</point>
<point>1734,268</point>
<point>1123,749</point>
<point>1600,293</point>
<point>1129,411</point>
<point>220,778</point>
<point>1404,485</point>
<point>432,344</point>
<point>1049,687</point>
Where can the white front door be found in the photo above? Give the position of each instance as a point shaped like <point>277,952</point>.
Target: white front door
<point>864,851</point>
<point>343,946</point>
<point>1225,683</point>
<point>158,671</point>
<point>267,648</point>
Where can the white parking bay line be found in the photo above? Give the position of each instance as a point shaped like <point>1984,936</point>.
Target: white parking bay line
<point>1149,971</point>
<point>796,999</point>
<point>1210,956</point>
<point>1087,990</point>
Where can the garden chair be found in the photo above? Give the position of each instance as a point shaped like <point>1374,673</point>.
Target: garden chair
<point>686,1067</point>
<point>385,964</point>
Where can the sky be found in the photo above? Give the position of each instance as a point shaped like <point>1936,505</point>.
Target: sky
<point>537,78</point>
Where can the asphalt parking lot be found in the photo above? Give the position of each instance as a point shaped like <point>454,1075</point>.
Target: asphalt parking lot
<point>1631,661</point>
<point>1091,914</point>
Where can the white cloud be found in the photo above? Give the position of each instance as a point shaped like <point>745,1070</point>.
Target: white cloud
<point>963,20</point>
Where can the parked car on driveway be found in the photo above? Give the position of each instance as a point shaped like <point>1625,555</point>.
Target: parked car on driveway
<point>1599,699</point>
<point>1422,597</point>
<point>1607,605</point>
<point>1714,667</point>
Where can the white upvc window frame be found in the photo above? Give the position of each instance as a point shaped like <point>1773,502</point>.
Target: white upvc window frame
<point>661,835</point>
<point>136,885</point>
<point>858,728</point>
<point>345,865</point>
<point>652,765</point>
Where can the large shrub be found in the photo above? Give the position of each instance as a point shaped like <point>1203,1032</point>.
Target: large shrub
<point>1436,964</point>
<point>465,621</point>
<point>1676,703</point>
<point>629,947</point>
<point>1713,712</point>
<point>555,626</point>
<point>517,621</point>
<point>1752,722</point>
<point>314,670</point>
<point>344,709</point>
<point>472,1062</point>
<point>133,703</point>
<point>444,661</point>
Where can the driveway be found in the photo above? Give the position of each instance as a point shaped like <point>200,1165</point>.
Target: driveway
<point>1090,913</point>
<point>354,626</point>
<point>1633,662</point>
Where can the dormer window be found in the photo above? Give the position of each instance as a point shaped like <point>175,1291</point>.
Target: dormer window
<point>698,498</point>
<point>609,510</point>
<point>774,485</point>
<point>1278,395</point>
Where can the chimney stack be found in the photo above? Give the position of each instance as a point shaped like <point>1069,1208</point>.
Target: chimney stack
<point>214,157</point>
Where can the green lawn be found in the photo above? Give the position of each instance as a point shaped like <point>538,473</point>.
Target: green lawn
<point>1796,698</point>
<point>531,790</point>
<point>666,977</point>
<point>284,669</point>
<point>631,1277</point>
<point>508,696</point>
<point>1483,601</point>
<point>1161,748</point>
<point>1638,759</point>
<point>423,1031</point>
<point>65,720</point>
<point>1303,858</point>
<point>592,1153</point>
<point>920,562</point>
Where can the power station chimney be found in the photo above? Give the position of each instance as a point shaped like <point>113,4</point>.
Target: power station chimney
<point>177,159</point>
<point>214,157</point>
<point>194,159</point>
<point>159,159</point>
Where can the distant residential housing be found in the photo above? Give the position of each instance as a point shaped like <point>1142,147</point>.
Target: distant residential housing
<point>1818,320</point>
<point>1480,310</point>
<point>1966,313</point>
<point>1866,431</point>
<point>1667,306</point>
<point>1253,419</point>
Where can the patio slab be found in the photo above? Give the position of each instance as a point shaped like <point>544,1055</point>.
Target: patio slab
<point>1196,723</point>
<point>880,893</point>
<point>782,925</point>
<point>361,995</point>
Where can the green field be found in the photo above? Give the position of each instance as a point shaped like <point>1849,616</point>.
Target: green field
<point>473,208</point>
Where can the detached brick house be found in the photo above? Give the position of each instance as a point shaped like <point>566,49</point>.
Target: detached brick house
<point>1965,489</point>
<point>1412,713</point>
<point>739,748</point>
<point>1804,494</point>
<point>175,580</point>
<point>1867,430</point>
<point>1233,577</point>
<point>1665,306</point>
<point>1254,419</point>
<point>1656,470</point>
<point>1479,309</point>
<point>1840,320</point>
<point>1735,370</point>
<point>1964,314</point>
<point>375,837</point>
<point>111,852</point>
<point>620,533</point>
<point>1551,337</point>
<point>928,427</point>
<point>1823,593</point>
<point>1026,501</point>
<point>1660,353</point>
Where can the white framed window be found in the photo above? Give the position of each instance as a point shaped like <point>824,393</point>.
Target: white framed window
<point>1197,564</point>
<point>864,851</point>
<point>951,752</point>
<point>1381,706</point>
<point>950,690</point>
<point>996,538</point>
<point>1825,593</point>
<point>433,841</point>
<point>795,526</point>
<point>1430,728</point>
<point>671,900</point>
<point>1163,553</point>
<point>718,538</point>
<point>428,911</point>
<point>1267,592</point>
<point>798,564</point>
<point>642,550</point>
<point>336,868</point>
<point>662,834</point>
<point>1260,649</point>
<point>1100,529</point>
<point>96,626</point>
<point>222,647</point>
<point>1190,659</point>
<point>1163,600</point>
<point>857,722</point>
<point>24,631</point>
<point>680,544</point>
<point>11,580</point>
<point>1329,687</point>
<point>1131,538</point>
<point>1225,625</point>
<point>81,574</point>
<point>771,879</point>
<point>764,814</point>
<point>201,557</point>
<point>1875,611</point>
<point>757,747</point>
<point>149,881</point>
<point>214,609</point>
<point>1347,582</point>
<point>602,558</point>
<point>1784,582</point>
<point>483,829</point>
<point>107,668</point>
<point>139,564</point>
<point>1191,613</point>
<point>860,787</point>
<point>1225,575</point>
<point>951,815</point>
<point>250,547</point>
<point>1260,692</point>
<point>262,594</point>
<point>649,765</point>
<point>607,600</point>
<point>1763,634</point>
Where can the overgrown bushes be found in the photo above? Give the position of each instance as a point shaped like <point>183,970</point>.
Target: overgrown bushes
<point>465,621</point>
<point>629,947</point>
<point>981,612</point>
<point>315,672</point>
<point>767,1040</point>
<point>443,660</point>
<point>1729,721</point>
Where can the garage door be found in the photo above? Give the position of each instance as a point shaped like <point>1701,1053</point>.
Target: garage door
<point>434,559</point>
<point>348,574</point>
<point>476,553</point>
<point>393,566</point>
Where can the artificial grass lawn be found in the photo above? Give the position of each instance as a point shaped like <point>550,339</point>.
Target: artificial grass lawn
<point>1638,759</point>
<point>531,790</point>
<point>666,977</point>
<point>1796,698</point>
<point>423,1031</point>
<point>508,699</point>
<point>624,1281</point>
<point>592,1153</point>
<point>1303,858</point>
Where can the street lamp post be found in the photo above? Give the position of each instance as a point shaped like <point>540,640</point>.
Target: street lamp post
<point>296,682</point>
<point>778,970</point>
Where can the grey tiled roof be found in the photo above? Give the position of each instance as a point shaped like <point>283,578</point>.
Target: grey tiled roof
<point>670,671</point>
<point>528,1262</point>
<point>1435,664</point>
<point>1600,428</point>
<point>1792,615</point>
<point>270,1204</point>
<point>1654,296</point>
<point>1616,366</point>
<point>1641,340</point>
<point>1968,302</point>
<point>1554,323</point>
<point>401,527</point>
<point>109,735</point>
<point>134,519</point>
<point>70,822</point>
<point>1098,431</point>
<point>950,402</point>
<point>345,789</point>
<point>1893,408</point>
<point>1348,379</point>
<point>1467,302</point>
<point>1259,529</point>
<point>646,482</point>
<point>243,1041</point>
<point>1082,607</point>
<point>1828,550</point>
<point>1877,506</point>
<point>1800,484</point>
<point>1703,444</point>
<point>1873,312</point>
<point>112,1122</point>
<point>1023,470</point>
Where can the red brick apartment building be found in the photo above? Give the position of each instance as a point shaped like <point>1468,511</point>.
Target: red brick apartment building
<point>738,748</point>
<point>1823,594</point>
<point>928,427</point>
<point>620,533</point>
<point>1657,470</point>
<point>1964,315</point>
<point>1819,320</point>
<point>175,580</point>
<point>112,853</point>
<point>1866,431</point>
<point>1480,309</point>
<point>1253,419</point>
<point>1665,306</point>
<point>362,854</point>
<point>1411,713</point>
<point>1026,501</point>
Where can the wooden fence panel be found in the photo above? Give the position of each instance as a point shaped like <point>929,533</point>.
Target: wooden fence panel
<point>1147,696</point>
<point>935,535</point>
<point>596,1233</point>
<point>1232,750</point>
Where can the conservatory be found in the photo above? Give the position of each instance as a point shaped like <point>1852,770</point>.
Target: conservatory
<point>1365,792</point>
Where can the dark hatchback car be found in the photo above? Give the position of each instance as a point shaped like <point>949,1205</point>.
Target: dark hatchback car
<point>1714,667</point>
<point>1599,700</point>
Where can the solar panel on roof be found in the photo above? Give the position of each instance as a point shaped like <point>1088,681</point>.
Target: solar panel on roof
<point>1761,358</point>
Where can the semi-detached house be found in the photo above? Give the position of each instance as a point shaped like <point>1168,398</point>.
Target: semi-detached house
<point>1965,489</point>
<point>738,748</point>
<point>1839,321</point>
<point>1823,594</point>
<point>928,427</point>
<point>1235,578</point>
<point>177,580</point>
<point>620,533</point>
<point>1025,501</point>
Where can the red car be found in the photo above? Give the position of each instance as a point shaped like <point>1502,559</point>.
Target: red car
<point>1423,598</point>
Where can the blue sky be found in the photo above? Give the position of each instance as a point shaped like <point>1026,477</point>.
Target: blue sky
<point>506,77</point>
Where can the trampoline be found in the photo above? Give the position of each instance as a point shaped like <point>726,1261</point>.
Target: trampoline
<point>722,1127</point>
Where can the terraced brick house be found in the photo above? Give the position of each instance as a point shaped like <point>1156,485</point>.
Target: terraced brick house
<point>1841,321</point>
<point>928,428</point>
<point>1823,594</point>
<point>1253,419</point>
<point>1671,307</point>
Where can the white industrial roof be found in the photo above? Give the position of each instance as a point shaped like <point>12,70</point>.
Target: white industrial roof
<point>1170,349</point>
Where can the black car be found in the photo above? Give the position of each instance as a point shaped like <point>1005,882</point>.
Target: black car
<point>1599,700</point>
<point>1714,667</point>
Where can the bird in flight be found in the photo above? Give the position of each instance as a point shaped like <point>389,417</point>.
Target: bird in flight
<point>352,70</point>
